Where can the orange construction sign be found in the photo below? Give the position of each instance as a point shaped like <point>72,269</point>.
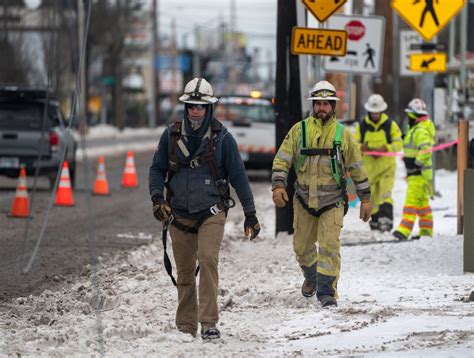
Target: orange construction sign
<point>322,9</point>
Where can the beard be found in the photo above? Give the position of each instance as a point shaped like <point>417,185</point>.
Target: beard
<point>324,116</point>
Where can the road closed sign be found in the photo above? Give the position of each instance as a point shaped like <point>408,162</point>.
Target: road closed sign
<point>307,41</point>
<point>365,43</point>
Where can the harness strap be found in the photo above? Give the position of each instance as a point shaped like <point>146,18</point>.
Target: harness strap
<point>318,151</point>
<point>321,211</point>
<point>166,259</point>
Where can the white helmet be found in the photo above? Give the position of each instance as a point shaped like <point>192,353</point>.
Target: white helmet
<point>323,91</point>
<point>417,106</point>
<point>198,91</point>
<point>375,104</point>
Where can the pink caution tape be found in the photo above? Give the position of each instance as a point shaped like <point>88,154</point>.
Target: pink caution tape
<point>400,154</point>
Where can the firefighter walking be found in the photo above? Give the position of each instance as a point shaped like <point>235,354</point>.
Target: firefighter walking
<point>378,133</point>
<point>417,147</point>
<point>321,150</point>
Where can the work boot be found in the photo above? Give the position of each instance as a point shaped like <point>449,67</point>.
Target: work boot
<point>398,235</point>
<point>374,222</point>
<point>210,333</point>
<point>327,301</point>
<point>308,289</point>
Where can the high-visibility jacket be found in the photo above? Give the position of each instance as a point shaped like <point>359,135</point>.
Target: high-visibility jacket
<point>385,132</point>
<point>417,146</point>
<point>315,183</point>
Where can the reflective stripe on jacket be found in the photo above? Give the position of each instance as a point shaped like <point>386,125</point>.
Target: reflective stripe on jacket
<point>315,182</point>
<point>417,147</point>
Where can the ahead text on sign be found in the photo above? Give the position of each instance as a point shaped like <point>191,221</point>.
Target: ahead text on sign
<point>318,42</point>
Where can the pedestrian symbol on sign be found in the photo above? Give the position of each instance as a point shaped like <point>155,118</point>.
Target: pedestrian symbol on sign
<point>428,8</point>
<point>370,53</point>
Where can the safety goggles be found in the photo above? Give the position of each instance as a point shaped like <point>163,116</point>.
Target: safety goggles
<point>198,106</point>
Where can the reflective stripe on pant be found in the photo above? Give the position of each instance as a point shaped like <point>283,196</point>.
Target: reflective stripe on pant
<point>325,231</point>
<point>417,204</point>
<point>203,247</point>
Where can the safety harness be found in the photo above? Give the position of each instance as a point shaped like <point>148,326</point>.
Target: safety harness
<point>209,157</point>
<point>174,164</point>
<point>336,161</point>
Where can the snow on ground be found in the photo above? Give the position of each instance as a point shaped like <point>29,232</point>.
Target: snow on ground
<point>396,299</point>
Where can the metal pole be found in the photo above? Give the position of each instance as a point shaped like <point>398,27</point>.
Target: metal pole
<point>152,114</point>
<point>451,51</point>
<point>396,67</point>
<point>349,79</point>
<point>463,137</point>
<point>463,49</point>
<point>82,94</point>
<point>303,60</point>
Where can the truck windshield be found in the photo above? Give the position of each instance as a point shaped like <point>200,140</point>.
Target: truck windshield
<point>258,113</point>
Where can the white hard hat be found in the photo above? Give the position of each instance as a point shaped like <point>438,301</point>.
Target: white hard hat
<point>323,91</point>
<point>375,104</point>
<point>198,91</point>
<point>417,106</point>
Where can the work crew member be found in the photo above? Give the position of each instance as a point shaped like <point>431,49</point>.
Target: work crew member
<point>321,150</point>
<point>378,133</point>
<point>196,159</point>
<point>417,146</point>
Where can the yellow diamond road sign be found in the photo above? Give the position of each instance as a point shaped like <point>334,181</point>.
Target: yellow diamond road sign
<point>322,9</point>
<point>428,62</point>
<point>307,41</point>
<point>428,17</point>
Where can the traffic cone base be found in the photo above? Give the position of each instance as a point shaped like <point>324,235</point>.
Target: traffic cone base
<point>64,193</point>
<point>101,186</point>
<point>129,178</point>
<point>20,207</point>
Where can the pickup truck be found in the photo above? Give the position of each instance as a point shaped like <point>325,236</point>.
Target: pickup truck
<point>25,140</point>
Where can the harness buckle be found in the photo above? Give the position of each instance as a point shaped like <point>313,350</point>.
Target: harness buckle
<point>194,163</point>
<point>215,209</point>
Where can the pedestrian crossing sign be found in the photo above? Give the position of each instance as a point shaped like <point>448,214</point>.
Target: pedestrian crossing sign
<point>428,17</point>
<point>322,9</point>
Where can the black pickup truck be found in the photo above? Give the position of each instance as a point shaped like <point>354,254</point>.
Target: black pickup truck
<point>25,140</point>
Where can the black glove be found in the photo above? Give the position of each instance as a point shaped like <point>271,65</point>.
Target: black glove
<point>251,225</point>
<point>161,209</point>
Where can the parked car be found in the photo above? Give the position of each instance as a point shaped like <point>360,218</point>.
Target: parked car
<point>24,137</point>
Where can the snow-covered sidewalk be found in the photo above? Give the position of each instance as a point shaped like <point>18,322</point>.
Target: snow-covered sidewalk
<point>396,299</point>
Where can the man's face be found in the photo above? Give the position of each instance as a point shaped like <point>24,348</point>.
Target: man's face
<point>374,116</point>
<point>196,112</point>
<point>323,110</point>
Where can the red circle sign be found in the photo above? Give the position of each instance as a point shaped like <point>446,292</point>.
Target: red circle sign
<point>355,30</point>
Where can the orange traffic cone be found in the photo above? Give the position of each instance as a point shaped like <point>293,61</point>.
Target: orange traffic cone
<point>64,192</point>
<point>129,178</point>
<point>101,186</point>
<point>20,207</point>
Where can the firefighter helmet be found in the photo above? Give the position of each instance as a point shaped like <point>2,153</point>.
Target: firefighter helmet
<point>323,91</point>
<point>198,91</point>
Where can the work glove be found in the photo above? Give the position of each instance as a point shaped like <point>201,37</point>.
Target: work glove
<point>280,197</point>
<point>251,226</point>
<point>161,209</point>
<point>365,210</point>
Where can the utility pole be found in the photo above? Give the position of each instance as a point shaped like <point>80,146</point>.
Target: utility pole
<point>174,67</point>
<point>82,105</point>
<point>288,105</point>
<point>153,118</point>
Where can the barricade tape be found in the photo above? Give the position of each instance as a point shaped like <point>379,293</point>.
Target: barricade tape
<point>400,154</point>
